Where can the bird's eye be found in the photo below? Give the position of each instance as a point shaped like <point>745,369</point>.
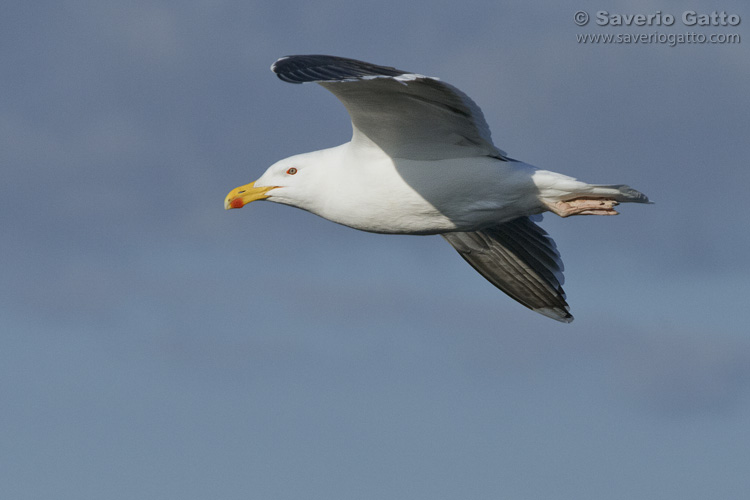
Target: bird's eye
<point>291,171</point>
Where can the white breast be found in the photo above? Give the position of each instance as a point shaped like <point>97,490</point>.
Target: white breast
<point>370,191</point>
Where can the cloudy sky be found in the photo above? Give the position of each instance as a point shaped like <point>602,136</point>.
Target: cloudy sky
<point>153,345</point>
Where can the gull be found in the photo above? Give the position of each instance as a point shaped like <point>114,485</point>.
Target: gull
<point>421,161</point>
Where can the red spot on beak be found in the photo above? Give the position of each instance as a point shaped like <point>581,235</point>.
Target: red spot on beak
<point>236,203</point>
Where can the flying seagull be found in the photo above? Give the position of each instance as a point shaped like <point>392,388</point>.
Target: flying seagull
<point>421,161</point>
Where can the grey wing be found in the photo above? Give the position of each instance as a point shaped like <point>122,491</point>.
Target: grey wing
<point>520,259</point>
<point>407,115</point>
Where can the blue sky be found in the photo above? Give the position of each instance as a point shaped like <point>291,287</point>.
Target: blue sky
<point>153,345</point>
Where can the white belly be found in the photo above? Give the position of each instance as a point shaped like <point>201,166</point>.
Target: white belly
<point>417,197</point>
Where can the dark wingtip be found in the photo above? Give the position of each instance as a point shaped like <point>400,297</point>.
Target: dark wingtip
<point>319,68</point>
<point>556,313</point>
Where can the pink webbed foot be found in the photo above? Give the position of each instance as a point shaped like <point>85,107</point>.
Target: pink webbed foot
<point>583,206</point>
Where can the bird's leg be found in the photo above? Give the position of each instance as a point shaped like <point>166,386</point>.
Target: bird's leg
<point>583,206</point>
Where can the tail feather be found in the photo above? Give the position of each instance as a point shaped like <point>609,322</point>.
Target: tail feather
<point>618,192</point>
<point>554,187</point>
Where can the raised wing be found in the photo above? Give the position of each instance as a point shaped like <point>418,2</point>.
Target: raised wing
<point>520,259</point>
<point>407,115</point>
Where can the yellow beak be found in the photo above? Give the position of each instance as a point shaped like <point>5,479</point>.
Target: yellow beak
<point>241,196</point>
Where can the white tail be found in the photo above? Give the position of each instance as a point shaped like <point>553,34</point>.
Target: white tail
<point>567,196</point>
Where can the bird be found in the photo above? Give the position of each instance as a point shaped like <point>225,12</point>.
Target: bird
<point>421,161</point>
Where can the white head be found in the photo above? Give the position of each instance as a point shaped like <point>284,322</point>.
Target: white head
<point>290,181</point>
